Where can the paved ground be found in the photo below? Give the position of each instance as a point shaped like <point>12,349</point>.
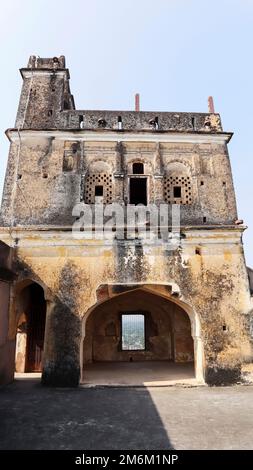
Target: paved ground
<point>149,373</point>
<point>33,417</point>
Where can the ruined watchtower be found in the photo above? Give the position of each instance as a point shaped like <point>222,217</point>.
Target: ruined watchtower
<point>76,301</point>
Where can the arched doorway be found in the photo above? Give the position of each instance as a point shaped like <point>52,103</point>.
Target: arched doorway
<point>138,326</point>
<point>31,318</point>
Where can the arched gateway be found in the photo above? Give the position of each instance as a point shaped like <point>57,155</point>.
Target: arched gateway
<point>139,324</point>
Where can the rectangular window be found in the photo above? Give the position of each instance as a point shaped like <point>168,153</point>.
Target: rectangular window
<point>133,331</point>
<point>177,191</point>
<point>98,190</point>
<point>138,191</point>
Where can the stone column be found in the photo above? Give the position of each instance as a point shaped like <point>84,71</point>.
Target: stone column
<point>158,176</point>
<point>61,356</point>
<point>119,174</point>
<point>83,171</point>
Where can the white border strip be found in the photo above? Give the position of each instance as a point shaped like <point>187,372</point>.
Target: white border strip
<point>111,136</point>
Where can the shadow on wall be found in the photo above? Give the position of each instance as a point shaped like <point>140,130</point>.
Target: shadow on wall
<point>250,276</point>
<point>62,332</point>
<point>110,418</point>
<point>6,278</point>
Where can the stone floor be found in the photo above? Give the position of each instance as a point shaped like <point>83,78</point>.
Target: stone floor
<point>155,373</point>
<point>35,417</point>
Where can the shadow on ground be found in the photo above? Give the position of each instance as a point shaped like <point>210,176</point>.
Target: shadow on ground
<point>102,418</point>
<point>34,417</point>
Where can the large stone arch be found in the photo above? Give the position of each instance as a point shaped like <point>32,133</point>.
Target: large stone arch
<point>106,293</point>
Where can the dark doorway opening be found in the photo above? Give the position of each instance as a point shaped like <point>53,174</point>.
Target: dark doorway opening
<point>35,329</point>
<point>138,191</point>
<point>31,329</point>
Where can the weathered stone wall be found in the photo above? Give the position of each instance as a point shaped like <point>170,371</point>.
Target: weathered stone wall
<point>47,176</point>
<point>136,121</point>
<point>55,149</point>
<point>7,345</point>
<point>40,191</point>
<point>55,154</point>
<point>45,93</point>
<point>213,283</point>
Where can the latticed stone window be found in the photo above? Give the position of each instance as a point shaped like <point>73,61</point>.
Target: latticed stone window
<point>98,185</point>
<point>177,189</point>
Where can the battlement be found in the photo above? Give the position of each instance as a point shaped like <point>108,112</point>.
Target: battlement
<point>46,102</point>
<point>36,62</point>
<point>140,121</point>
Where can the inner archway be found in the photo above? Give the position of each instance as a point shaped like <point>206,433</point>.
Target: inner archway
<point>159,328</point>
<point>31,318</point>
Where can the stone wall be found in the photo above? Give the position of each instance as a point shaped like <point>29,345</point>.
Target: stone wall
<point>140,121</point>
<point>209,282</point>
<point>47,176</point>
<point>7,344</point>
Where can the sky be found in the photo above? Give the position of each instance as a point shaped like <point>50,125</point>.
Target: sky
<point>175,53</point>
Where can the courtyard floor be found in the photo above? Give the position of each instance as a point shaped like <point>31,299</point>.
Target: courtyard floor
<point>35,417</point>
<point>148,373</point>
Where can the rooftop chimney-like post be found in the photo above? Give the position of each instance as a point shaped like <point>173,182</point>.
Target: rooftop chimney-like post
<point>210,105</point>
<point>137,102</point>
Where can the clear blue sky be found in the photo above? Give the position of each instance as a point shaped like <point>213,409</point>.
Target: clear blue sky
<point>175,53</point>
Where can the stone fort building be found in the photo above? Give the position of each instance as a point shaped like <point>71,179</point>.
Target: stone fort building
<point>69,302</point>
